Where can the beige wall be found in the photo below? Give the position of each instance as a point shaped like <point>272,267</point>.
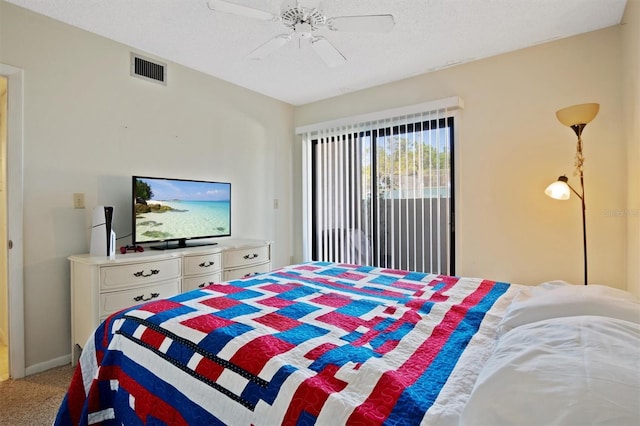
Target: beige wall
<point>89,126</point>
<point>631,108</point>
<point>511,147</point>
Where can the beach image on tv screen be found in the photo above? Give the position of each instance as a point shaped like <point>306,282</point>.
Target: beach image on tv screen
<point>169,209</point>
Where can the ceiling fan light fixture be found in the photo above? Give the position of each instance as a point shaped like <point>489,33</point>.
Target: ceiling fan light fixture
<point>296,15</point>
<point>303,28</point>
<point>303,22</point>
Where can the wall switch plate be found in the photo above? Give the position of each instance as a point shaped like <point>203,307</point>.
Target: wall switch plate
<point>78,200</point>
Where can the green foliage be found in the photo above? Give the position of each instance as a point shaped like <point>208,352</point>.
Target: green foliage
<point>143,190</point>
<point>406,157</point>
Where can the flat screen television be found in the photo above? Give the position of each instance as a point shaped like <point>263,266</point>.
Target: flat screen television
<point>176,211</point>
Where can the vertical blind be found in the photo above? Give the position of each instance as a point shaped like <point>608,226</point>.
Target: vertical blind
<point>379,189</point>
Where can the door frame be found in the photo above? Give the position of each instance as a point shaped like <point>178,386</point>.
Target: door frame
<point>14,182</point>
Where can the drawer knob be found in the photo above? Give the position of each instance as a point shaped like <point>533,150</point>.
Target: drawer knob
<point>251,256</point>
<point>207,264</point>
<point>203,285</point>
<point>142,274</point>
<point>141,298</point>
<point>250,274</point>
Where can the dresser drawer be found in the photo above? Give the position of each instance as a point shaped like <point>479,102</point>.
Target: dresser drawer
<point>192,283</point>
<point>113,277</point>
<point>117,300</point>
<point>202,264</point>
<point>248,256</point>
<point>235,274</point>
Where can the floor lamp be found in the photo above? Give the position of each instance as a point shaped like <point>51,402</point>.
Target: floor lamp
<point>576,117</point>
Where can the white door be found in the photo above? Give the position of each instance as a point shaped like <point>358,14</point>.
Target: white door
<point>4,278</point>
<point>13,240</point>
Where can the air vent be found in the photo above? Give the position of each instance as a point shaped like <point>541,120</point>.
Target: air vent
<point>147,69</point>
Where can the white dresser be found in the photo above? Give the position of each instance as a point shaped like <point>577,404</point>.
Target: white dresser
<point>100,286</point>
<point>201,269</point>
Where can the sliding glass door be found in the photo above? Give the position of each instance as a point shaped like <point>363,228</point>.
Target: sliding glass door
<point>383,195</point>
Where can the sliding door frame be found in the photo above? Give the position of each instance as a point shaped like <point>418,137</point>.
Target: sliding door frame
<point>428,124</point>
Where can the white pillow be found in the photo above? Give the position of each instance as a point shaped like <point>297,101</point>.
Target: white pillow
<point>559,299</point>
<point>563,371</point>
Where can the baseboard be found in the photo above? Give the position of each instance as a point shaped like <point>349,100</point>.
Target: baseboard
<point>47,365</point>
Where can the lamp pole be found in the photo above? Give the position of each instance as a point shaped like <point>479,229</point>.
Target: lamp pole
<point>577,117</point>
<point>584,227</point>
<point>577,128</point>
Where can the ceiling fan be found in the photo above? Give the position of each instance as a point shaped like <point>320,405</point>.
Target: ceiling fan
<point>302,22</point>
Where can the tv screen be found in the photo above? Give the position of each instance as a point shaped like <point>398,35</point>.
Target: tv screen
<point>174,211</point>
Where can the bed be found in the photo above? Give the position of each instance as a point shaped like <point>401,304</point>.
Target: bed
<point>326,343</point>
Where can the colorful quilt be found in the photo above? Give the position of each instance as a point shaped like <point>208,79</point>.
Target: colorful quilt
<point>316,343</point>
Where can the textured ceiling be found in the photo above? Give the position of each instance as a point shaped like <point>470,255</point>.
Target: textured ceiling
<point>428,35</point>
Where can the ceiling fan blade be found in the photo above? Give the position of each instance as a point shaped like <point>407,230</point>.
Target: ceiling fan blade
<point>362,23</point>
<point>329,54</point>
<point>269,47</point>
<point>236,9</point>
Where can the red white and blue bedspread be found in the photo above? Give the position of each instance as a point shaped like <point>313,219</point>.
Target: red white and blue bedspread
<point>313,343</point>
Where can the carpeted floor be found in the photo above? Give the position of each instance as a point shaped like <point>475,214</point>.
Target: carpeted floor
<point>35,399</point>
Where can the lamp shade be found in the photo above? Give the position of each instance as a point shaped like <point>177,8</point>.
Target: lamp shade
<point>578,114</point>
<point>559,190</point>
